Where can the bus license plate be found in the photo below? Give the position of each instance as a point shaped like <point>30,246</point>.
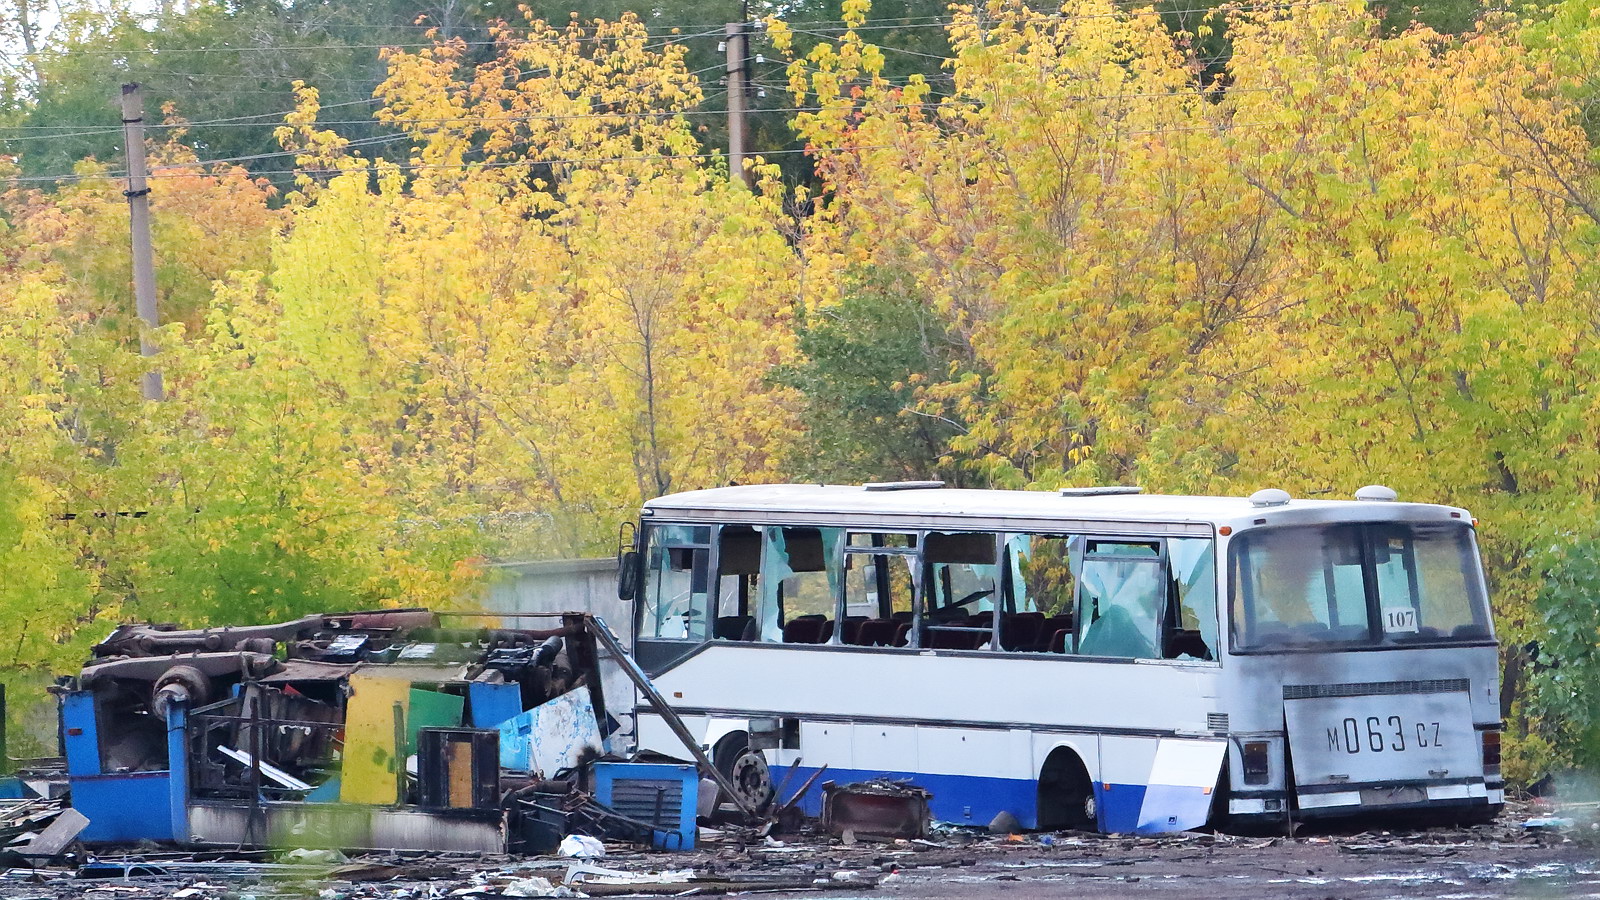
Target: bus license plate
<point>1384,734</point>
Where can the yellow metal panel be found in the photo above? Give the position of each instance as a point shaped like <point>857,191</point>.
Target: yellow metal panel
<point>370,762</point>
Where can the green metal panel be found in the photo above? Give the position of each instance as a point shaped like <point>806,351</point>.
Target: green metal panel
<point>431,709</point>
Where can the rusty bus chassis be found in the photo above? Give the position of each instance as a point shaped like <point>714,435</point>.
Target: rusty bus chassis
<point>371,730</point>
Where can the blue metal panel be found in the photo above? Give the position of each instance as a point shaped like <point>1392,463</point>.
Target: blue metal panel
<point>80,734</point>
<point>124,808</point>
<point>607,774</point>
<point>127,807</point>
<point>516,742</point>
<point>493,704</point>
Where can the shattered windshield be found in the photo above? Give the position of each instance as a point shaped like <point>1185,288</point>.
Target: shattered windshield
<point>1388,583</point>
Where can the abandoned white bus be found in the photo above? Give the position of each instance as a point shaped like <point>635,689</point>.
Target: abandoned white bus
<point>1093,658</point>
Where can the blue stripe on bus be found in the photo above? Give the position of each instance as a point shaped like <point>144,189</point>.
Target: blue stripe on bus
<point>977,799</point>
<point>1119,806</point>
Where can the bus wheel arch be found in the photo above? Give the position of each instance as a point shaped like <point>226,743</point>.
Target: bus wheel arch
<point>1066,792</point>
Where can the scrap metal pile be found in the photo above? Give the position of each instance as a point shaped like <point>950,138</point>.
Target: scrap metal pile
<point>382,730</point>
<point>394,732</point>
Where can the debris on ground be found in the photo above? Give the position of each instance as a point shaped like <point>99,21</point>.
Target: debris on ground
<point>1354,864</point>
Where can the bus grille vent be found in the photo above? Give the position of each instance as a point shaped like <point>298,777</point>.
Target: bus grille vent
<point>1217,722</point>
<point>658,803</point>
<point>1363,688</point>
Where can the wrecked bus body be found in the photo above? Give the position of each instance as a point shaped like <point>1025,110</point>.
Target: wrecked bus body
<point>382,730</point>
<point>1093,658</point>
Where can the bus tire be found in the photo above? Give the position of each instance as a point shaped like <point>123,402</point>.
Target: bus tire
<point>1066,793</point>
<point>745,769</point>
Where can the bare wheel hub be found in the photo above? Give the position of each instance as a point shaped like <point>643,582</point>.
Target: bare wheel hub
<point>752,782</point>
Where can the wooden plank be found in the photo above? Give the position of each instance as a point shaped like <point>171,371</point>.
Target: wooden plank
<point>459,765</point>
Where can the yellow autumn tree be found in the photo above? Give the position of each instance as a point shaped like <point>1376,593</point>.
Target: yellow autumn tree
<point>1068,210</point>
<point>557,307</point>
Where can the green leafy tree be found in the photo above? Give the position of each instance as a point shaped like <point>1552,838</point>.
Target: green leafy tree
<point>862,362</point>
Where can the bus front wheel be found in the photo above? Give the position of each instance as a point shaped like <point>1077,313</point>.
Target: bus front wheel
<point>746,770</point>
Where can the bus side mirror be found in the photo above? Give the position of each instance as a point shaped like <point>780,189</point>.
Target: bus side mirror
<point>627,575</point>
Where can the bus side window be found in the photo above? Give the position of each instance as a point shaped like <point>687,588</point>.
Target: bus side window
<point>1042,580</point>
<point>801,572</point>
<point>961,586</point>
<point>878,590</point>
<point>738,571</point>
<point>1121,599</point>
<point>677,596</point>
<point>1193,566</point>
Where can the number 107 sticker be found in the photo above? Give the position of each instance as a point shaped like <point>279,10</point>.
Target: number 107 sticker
<point>1399,619</point>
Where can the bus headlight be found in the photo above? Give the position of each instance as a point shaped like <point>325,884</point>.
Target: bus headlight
<point>1256,766</point>
<point>1491,753</point>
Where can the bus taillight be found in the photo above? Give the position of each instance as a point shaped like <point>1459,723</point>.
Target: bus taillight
<point>1491,753</point>
<point>1255,762</point>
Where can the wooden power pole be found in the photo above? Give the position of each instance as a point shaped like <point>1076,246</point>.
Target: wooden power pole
<point>738,57</point>
<point>144,268</point>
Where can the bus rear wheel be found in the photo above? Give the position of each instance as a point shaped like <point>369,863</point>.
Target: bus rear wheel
<point>1066,794</point>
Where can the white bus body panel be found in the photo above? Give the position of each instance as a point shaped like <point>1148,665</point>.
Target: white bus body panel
<point>974,728</point>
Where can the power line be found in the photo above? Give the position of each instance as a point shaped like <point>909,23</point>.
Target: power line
<point>402,122</point>
<point>559,37</point>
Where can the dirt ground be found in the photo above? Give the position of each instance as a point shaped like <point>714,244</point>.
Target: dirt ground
<point>1504,859</point>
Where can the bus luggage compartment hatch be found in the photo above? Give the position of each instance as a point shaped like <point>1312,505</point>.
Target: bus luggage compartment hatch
<point>1378,750</point>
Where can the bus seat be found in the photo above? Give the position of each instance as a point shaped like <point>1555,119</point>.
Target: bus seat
<point>902,634</point>
<point>812,629</point>
<point>850,629</point>
<point>1058,641</point>
<point>877,633</point>
<point>734,628</point>
<point>1049,629</point>
<point>1021,631</point>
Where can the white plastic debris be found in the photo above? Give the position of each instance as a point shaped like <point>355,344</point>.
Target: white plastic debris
<point>538,887</point>
<point>587,873</point>
<point>581,846</point>
<point>309,857</point>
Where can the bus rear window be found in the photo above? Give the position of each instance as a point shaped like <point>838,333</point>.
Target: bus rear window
<point>1372,584</point>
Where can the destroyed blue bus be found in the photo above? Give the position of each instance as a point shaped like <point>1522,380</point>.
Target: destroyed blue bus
<point>394,729</point>
<point>1088,658</point>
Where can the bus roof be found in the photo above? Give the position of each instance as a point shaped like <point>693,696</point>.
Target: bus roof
<point>857,504</point>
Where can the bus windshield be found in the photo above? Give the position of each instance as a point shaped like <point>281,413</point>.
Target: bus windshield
<point>1368,584</point>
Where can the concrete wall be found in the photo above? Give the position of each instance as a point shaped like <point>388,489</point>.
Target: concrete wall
<point>562,585</point>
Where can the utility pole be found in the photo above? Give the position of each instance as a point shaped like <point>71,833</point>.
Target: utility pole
<point>738,57</point>
<point>144,267</point>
